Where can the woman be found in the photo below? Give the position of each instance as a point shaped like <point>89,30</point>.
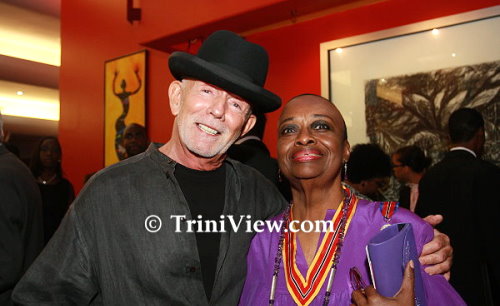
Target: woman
<point>57,192</point>
<point>312,149</point>
<point>409,165</point>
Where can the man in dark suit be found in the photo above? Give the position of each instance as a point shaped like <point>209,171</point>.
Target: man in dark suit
<point>21,232</point>
<point>252,151</point>
<point>463,188</point>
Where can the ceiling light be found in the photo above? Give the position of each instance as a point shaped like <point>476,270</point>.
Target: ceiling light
<point>29,35</point>
<point>20,93</point>
<point>40,103</point>
<point>435,32</point>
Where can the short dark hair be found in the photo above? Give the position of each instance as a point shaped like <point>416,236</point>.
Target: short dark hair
<point>367,161</point>
<point>413,157</point>
<point>464,124</point>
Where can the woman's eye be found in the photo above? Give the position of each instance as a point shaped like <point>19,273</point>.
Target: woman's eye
<point>287,130</point>
<point>320,126</point>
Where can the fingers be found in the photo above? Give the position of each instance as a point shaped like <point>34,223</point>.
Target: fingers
<point>434,219</point>
<point>438,243</point>
<point>442,268</point>
<point>406,294</point>
<point>447,275</point>
<point>409,277</point>
<point>359,298</point>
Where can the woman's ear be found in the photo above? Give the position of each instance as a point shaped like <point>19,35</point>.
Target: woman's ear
<point>347,151</point>
<point>175,97</point>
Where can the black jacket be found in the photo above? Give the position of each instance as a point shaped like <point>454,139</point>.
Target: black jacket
<point>464,190</point>
<point>21,231</point>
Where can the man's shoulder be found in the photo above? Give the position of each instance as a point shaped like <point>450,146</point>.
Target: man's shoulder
<point>135,165</point>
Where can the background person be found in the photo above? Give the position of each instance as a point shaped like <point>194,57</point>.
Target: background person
<point>57,192</point>
<point>408,166</point>
<point>462,188</point>
<point>368,171</point>
<point>135,139</point>
<point>21,231</point>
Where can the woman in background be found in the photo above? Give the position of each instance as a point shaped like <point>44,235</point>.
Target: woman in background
<point>57,192</point>
<point>409,165</point>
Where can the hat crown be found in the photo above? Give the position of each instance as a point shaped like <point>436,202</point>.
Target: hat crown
<point>229,51</point>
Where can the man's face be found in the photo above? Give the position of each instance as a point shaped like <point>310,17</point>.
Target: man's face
<point>209,120</point>
<point>398,169</point>
<point>135,140</point>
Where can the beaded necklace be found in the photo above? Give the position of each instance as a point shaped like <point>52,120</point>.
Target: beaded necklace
<point>348,197</point>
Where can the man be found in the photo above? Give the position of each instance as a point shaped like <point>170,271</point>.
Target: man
<point>127,240</point>
<point>21,231</point>
<point>462,188</point>
<point>409,164</point>
<point>135,139</point>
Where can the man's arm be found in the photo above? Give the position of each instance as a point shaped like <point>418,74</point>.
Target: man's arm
<point>62,274</point>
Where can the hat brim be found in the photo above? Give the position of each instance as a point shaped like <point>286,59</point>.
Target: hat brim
<point>184,65</point>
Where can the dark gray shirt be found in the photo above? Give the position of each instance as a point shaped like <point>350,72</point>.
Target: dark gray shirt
<point>104,254</point>
<point>21,230</point>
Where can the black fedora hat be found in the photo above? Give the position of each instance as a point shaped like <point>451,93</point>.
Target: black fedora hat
<point>228,61</point>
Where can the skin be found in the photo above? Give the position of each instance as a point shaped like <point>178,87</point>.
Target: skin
<point>404,173</point>
<point>135,139</point>
<point>208,120</point>
<point>405,295</point>
<point>311,150</point>
<point>50,155</point>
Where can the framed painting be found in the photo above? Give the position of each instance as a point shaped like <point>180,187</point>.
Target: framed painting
<point>398,87</point>
<point>125,101</point>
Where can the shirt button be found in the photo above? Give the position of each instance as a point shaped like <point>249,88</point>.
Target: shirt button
<point>190,269</point>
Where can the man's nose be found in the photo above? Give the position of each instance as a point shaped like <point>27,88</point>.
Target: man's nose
<point>218,107</point>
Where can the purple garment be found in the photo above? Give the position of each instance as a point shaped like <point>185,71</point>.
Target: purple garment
<point>365,224</point>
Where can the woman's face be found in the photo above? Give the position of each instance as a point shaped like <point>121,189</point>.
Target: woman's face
<point>311,140</point>
<point>50,154</point>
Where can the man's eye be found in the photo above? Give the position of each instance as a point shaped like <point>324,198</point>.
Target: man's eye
<point>236,105</point>
<point>207,91</point>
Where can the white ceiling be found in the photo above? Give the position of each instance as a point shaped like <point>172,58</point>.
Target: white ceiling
<point>42,18</point>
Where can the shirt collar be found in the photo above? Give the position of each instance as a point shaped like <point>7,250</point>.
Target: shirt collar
<point>464,149</point>
<point>242,140</point>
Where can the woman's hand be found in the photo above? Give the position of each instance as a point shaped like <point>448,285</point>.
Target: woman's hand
<point>404,297</point>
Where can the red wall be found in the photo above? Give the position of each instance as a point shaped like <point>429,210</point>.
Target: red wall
<point>294,50</point>
<point>93,31</point>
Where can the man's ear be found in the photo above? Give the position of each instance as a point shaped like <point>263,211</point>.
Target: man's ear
<point>175,97</point>
<point>248,125</point>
